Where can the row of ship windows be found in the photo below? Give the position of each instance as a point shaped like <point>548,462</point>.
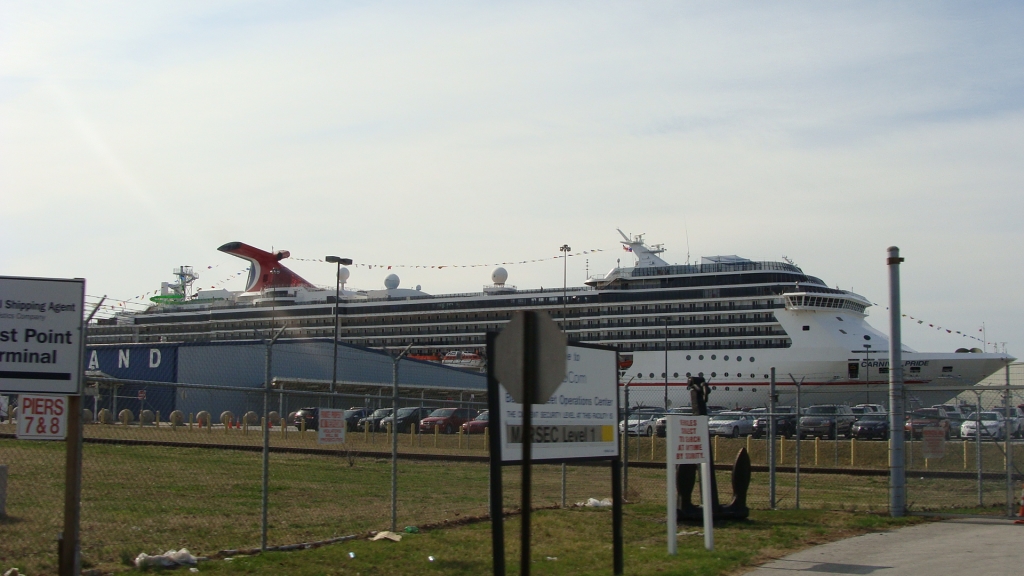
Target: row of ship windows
<point>449,327</point>
<point>688,374</point>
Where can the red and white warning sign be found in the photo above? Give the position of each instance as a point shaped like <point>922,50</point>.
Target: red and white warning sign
<point>42,417</point>
<point>331,426</point>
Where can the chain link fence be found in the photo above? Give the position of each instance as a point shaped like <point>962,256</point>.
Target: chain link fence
<point>179,464</point>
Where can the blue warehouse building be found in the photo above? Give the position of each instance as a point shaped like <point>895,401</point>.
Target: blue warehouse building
<point>151,371</point>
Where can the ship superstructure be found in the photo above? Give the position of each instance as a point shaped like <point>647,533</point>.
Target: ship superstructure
<point>728,318</point>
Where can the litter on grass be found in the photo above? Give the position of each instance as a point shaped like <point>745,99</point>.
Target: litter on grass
<point>430,558</point>
<point>389,535</point>
<point>690,533</point>
<point>351,554</point>
<point>166,560</point>
<point>595,503</point>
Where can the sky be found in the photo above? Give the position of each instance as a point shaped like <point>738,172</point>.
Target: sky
<point>138,137</point>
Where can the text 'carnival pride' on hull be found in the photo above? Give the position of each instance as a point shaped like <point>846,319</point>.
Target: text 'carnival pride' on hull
<point>727,318</point>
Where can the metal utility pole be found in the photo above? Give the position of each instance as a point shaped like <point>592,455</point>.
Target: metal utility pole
<point>394,438</point>
<point>564,249</point>
<point>266,440</point>
<point>773,400</point>
<point>337,304</point>
<point>666,364</point>
<point>897,464</point>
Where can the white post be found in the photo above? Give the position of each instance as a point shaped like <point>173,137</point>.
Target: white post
<point>705,501</point>
<point>673,502</point>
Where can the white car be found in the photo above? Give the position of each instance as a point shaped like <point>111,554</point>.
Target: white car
<point>1014,420</point>
<point>993,425</point>
<point>734,424</point>
<point>640,424</point>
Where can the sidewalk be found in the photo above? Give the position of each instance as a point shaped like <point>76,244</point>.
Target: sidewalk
<point>982,547</point>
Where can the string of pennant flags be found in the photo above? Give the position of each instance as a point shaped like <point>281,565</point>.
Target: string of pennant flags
<point>143,299</point>
<point>441,266</point>
<point>948,330</point>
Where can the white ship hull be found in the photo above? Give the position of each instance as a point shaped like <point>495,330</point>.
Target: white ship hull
<point>819,358</point>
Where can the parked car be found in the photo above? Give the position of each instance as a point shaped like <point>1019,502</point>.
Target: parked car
<point>956,420</point>
<point>447,420</point>
<point>659,424</point>
<point>476,425</point>
<point>407,419</point>
<point>734,424</point>
<point>871,425</point>
<point>640,423</point>
<point>374,419</point>
<point>311,416</point>
<point>1014,419</point>
<point>872,408</point>
<point>993,425</point>
<point>785,423</point>
<point>926,418</point>
<point>353,416</point>
<point>827,420</point>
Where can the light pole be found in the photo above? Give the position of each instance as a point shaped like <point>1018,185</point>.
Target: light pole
<point>337,302</point>
<point>564,249</point>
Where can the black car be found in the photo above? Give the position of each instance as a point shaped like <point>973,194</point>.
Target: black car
<point>407,418</point>
<point>871,426</point>
<point>311,416</point>
<point>373,420</point>
<point>353,416</point>
<point>785,423</point>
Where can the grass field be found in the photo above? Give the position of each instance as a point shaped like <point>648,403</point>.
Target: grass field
<point>152,498</point>
<point>575,541</point>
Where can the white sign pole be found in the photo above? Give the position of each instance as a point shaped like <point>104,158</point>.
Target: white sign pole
<point>687,442</point>
<point>706,500</point>
<point>673,501</point>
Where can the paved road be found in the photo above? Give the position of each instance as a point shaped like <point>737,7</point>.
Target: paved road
<point>980,547</point>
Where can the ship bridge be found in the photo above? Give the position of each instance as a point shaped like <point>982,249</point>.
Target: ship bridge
<point>839,300</point>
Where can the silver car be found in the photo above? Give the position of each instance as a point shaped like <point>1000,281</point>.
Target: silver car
<point>734,424</point>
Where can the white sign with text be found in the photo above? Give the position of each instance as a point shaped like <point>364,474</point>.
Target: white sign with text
<point>42,417</point>
<point>687,442</point>
<point>579,420</point>
<point>40,326</point>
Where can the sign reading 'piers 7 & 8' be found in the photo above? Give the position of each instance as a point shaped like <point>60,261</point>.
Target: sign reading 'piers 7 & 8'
<point>580,418</point>
<point>40,331</point>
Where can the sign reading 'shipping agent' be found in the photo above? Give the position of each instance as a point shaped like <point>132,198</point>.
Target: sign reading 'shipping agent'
<point>579,419</point>
<point>40,327</point>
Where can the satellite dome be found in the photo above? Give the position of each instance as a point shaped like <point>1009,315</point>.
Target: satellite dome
<point>343,275</point>
<point>418,287</point>
<point>391,282</point>
<point>499,276</point>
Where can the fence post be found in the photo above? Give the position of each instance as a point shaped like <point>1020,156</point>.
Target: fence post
<point>190,421</point>
<point>977,446</point>
<point>853,452</point>
<point>437,431</point>
<point>965,454</point>
<point>157,424</point>
<point>1008,452</point>
<point>817,447</point>
<point>487,439</point>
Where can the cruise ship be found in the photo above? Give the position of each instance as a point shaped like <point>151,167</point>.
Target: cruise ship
<point>727,318</point>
